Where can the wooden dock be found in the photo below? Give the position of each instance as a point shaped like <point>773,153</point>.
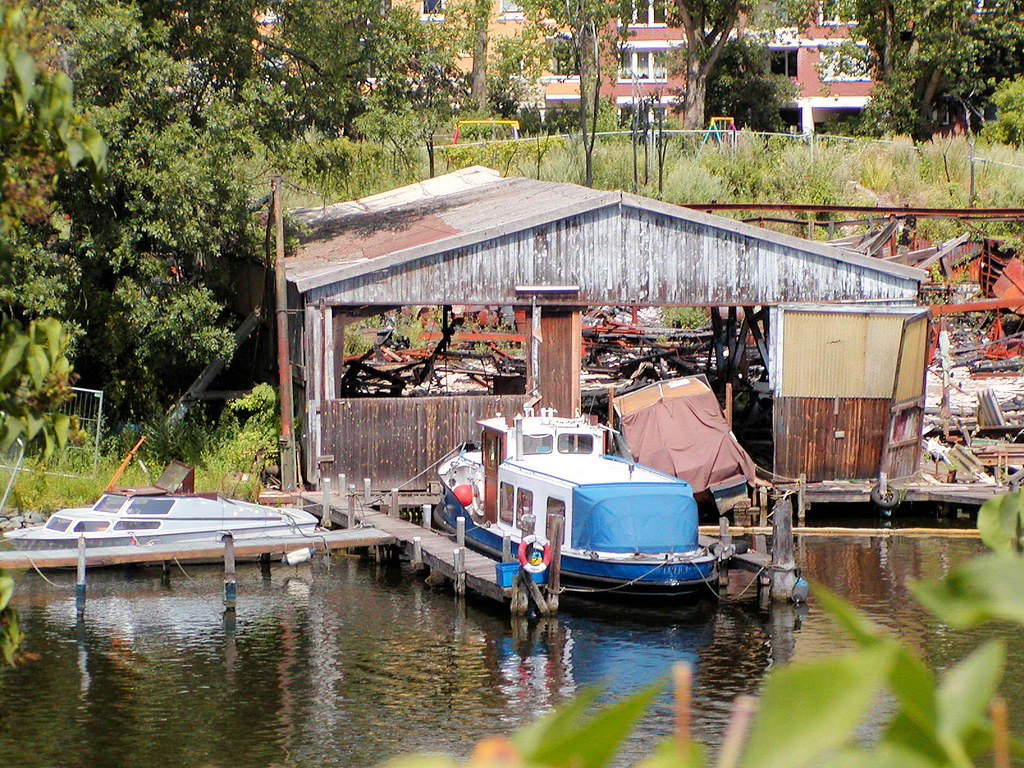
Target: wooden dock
<point>859,491</point>
<point>157,554</point>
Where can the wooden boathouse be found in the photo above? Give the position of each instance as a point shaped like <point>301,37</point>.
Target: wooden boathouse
<point>553,249</point>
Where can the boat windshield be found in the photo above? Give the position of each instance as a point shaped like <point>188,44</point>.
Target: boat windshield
<point>57,524</point>
<point>536,444</point>
<point>109,503</point>
<point>143,505</point>
<point>91,526</point>
<point>574,442</point>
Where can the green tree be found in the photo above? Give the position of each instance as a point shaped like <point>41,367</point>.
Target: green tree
<point>742,85</point>
<point>594,39</point>
<point>931,56</point>
<point>707,26</point>
<point>1008,127</point>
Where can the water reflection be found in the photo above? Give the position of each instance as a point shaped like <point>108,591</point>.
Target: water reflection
<point>352,664</point>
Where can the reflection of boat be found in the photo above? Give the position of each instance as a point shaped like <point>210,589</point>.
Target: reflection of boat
<point>167,512</point>
<point>625,528</point>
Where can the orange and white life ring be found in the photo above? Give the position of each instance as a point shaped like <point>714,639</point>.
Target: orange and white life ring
<point>534,554</point>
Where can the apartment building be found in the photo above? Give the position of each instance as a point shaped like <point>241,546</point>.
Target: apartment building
<point>830,85</point>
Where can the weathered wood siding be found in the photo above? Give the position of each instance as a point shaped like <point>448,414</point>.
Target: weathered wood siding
<point>393,439</point>
<point>829,438</point>
<point>624,254</point>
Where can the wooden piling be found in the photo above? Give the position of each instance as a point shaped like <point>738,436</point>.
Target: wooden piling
<point>425,511</point>
<point>506,549</point>
<point>460,531</point>
<point>393,506</point>
<point>366,491</point>
<point>265,563</point>
<point>342,483</point>
<point>80,581</point>
<point>555,567</point>
<point>229,570</point>
<point>783,567</point>
<point>801,501</point>
<point>460,571</point>
<point>726,542</point>
<point>325,509</point>
<point>417,553</point>
<point>351,510</point>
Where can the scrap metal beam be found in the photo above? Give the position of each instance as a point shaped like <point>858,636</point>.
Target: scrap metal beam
<point>966,213</point>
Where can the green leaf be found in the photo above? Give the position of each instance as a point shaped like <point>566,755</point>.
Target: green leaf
<point>6,589</point>
<point>667,755</point>
<point>883,756</point>
<point>13,354</point>
<point>913,684</point>
<point>76,152</point>
<point>25,73</point>
<point>592,743</point>
<point>95,146</point>
<point>812,708</point>
<point>999,522</point>
<point>856,624</point>
<point>966,691</point>
<point>984,589</point>
<point>422,761</point>
<point>531,738</point>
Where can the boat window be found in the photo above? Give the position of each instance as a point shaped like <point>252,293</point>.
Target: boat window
<point>524,503</point>
<point>57,524</point>
<point>91,526</point>
<point>137,525</point>
<point>108,503</point>
<point>534,444</point>
<point>147,506</point>
<point>575,443</point>
<point>506,503</point>
<point>555,510</point>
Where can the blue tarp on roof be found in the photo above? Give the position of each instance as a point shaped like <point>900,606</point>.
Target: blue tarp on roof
<point>634,517</point>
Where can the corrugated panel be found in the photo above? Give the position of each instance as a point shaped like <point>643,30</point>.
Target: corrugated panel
<point>910,381</point>
<point>839,354</point>
<point>829,438</point>
<point>394,439</point>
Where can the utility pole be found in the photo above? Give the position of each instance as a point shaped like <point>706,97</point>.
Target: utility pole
<point>284,362</point>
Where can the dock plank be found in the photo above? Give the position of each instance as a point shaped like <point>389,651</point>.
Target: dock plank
<point>143,554</point>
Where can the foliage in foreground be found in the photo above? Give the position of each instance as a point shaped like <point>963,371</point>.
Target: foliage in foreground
<point>809,713</point>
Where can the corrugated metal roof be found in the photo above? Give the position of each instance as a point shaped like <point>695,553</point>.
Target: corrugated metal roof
<point>474,214</point>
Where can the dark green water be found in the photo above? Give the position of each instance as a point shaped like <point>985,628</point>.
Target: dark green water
<point>352,664</point>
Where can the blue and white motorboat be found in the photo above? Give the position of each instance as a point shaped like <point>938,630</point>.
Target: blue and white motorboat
<point>626,529</point>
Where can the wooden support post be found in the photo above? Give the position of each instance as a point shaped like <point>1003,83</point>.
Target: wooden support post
<point>801,501</point>
<point>393,510</point>
<point>555,567</point>
<point>611,407</point>
<point>425,516</point>
<point>342,484</point>
<point>230,586</point>
<point>728,403</point>
<point>520,601</point>
<point>506,549</point>
<point>417,553</point>
<point>265,563</point>
<point>325,511</point>
<point>460,571</point>
<point>460,531</point>
<point>351,510</point>
<point>535,594</point>
<point>366,491</point>
<point>762,505</point>
<point>80,581</point>
<point>783,567</point>
<point>725,539</point>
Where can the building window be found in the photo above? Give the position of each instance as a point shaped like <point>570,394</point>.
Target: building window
<point>835,12</point>
<point>561,57</point>
<point>644,65</point>
<point>649,13</point>
<point>524,505</point>
<point>555,509</point>
<point>510,7</point>
<point>433,7</point>
<point>842,64</point>
<point>784,62</point>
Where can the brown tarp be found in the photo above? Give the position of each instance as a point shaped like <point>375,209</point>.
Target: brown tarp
<point>687,437</point>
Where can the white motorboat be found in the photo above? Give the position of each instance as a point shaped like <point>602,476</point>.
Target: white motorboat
<point>625,529</point>
<point>167,512</point>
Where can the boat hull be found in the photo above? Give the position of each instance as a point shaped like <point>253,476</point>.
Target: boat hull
<point>38,538</point>
<point>605,576</point>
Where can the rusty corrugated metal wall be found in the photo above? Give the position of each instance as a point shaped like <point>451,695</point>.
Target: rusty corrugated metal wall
<point>392,439</point>
<point>849,392</point>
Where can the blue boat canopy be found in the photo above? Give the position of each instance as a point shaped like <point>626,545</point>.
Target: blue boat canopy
<point>634,517</point>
